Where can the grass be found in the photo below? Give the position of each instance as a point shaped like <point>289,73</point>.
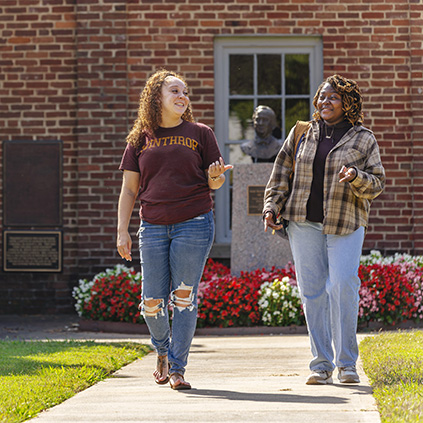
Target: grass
<point>393,361</point>
<point>37,375</point>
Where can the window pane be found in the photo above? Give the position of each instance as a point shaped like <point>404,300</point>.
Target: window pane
<point>297,75</point>
<point>240,119</point>
<point>276,106</point>
<point>241,74</point>
<point>269,74</point>
<point>237,156</point>
<point>296,109</point>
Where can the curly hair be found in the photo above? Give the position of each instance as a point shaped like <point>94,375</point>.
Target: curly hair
<point>352,101</point>
<point>150,107</point>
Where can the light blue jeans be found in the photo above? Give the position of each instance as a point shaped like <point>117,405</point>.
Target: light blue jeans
<point>172,263</point>
<point>327,273</point>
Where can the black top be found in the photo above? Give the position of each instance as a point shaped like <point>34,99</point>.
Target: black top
<point>329,137</point>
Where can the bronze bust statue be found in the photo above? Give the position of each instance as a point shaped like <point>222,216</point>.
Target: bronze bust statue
<point>264,147</point>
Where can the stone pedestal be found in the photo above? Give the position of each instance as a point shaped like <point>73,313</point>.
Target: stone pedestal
<point>251,247</point>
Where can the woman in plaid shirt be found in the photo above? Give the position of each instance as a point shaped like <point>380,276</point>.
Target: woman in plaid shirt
<point>338,172</point>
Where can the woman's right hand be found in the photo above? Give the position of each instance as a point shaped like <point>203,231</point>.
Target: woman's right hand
<point>268,222</point>
<point>124,245</point>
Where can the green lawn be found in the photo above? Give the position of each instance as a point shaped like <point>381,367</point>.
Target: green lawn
<point>37,375</point>
<point>393,361</point>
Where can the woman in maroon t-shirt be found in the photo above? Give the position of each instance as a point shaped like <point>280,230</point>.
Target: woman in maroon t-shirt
<point>170,163</point>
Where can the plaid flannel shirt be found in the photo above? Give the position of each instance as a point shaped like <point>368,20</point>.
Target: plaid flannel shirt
<point>346,205</point>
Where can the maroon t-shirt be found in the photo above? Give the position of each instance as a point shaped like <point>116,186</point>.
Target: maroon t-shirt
<point>173,184</point>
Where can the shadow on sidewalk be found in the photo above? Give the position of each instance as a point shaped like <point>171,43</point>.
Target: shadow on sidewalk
<point>260,397</point>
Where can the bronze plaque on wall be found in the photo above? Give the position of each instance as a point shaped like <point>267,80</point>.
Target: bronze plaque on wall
<point>32,251</point>
<point>32,183</point>
<point>255,196</point>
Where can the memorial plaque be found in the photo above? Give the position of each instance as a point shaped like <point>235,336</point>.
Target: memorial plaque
<point>32,251</point>
<point>32,183</point>
<point>255,196</point>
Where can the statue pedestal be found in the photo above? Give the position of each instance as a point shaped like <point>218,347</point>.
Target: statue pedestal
<point>251,247</point>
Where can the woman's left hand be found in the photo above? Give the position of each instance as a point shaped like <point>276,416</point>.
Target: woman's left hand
<point>347,174</point>
<point>216,173</point>
<point>218,168</point>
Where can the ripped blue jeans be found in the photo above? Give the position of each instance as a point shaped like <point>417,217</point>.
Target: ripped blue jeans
<point>172,263</point>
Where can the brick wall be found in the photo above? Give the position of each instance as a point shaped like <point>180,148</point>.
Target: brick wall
<point>101,43</point>
<point>38,89</point>
<point>73,70</point>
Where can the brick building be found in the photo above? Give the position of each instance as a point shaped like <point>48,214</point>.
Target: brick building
<point>72,70</point>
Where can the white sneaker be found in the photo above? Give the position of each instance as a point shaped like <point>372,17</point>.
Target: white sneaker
<point>348,375</point>
<point>319,377</point>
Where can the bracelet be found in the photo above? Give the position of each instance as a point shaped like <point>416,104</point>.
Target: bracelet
<point>214,179</point>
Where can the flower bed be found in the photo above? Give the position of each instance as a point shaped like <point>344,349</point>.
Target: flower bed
<point>113,295</point>
<point>225,300</point>
<point>390,293</point>
<point>391,288</point>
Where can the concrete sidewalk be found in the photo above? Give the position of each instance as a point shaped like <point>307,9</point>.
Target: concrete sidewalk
<point>234,378</point>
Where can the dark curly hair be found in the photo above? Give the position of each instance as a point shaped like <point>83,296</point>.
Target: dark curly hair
<point>352,101</point>
<point>150,107</point>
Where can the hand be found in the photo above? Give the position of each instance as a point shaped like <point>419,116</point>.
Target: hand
<point>124,246</point>
<point>268,222</point>
<point>218,168</point>
<point>347,174</point>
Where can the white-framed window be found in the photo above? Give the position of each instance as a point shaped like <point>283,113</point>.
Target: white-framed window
<point>282,72</point>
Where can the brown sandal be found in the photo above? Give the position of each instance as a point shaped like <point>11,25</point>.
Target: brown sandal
<point>162,368</point>
<point>183,384</point>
